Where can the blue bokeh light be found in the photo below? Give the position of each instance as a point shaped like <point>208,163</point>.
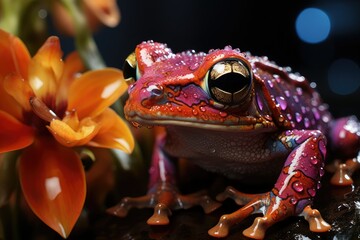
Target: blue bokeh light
<point>313,25</point>
<point>344,76</point>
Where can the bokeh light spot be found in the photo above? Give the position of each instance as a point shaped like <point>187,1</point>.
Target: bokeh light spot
<point>344,76</point>
<point>313,25</point>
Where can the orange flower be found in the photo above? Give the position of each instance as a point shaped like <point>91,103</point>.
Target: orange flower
<point>97,12</point>
<point>46,108</point>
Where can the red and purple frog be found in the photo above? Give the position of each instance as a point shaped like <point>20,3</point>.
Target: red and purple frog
<point>239,115</point>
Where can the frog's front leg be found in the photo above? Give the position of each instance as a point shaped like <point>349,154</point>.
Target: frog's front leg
<point>345,142</point>
<point>293,192</point>
<point>163,195</point>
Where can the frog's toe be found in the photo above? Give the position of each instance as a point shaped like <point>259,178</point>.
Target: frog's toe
<point>316,222</point>
<point>258,229</point>
<point>228,220</point>
<point>123,207</point>
<point>160,216</point>
<point>343,172</point>
<point>164,198</point>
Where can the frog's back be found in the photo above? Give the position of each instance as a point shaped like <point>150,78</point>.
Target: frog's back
<point>293,101</point>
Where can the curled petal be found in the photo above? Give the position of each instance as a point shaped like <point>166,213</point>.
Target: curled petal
<point>46,68</point>
<point>94,91</point>
<point>70,137</point>
<point>14,55</point>
<point>14,134</point>
<point>14,60</point>
<point>19,90</point>
<point>114,133</point>
<point>53,182</point>
<point>106,11</point>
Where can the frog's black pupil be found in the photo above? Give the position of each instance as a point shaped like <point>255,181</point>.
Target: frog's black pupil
<point>229,82</point>
<point>129,71</point>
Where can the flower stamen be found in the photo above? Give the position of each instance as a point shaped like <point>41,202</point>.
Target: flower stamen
<point>41,110</point>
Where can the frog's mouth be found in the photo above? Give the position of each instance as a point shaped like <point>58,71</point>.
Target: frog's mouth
<point>246,123</point>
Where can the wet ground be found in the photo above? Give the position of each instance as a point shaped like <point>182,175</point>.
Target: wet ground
<point>339,206</point>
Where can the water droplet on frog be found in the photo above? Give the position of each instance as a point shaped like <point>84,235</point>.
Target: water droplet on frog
<point>316,113</point>
<point>281,118</point>
<point>170,95</point>
<point>312,192</point>
<point>299,91</point>
<point>287,93</point>
<point>195,112</point>
<point>194,66</point>
<point>195,96</point>
<point>321,171</point>
<point>318,186</point>
<point>203,109</point>
<point>223,114</point>
<point>314,160</point>
<point>259,102</point>
<point>296,99</point>
<point>282,102</point>
<point>228,47</point>
<point>298,117</point>
<point>306,122</point>
<point>293,200</point>
<point>179,109</point>
<point>184,95</point>
<point>298,187</point>
<point>270,83</point>
<point>303,109</point>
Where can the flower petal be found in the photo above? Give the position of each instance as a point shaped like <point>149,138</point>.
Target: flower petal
<point>96,90</point>
<point>106,11</point>
<point>14,135</point>
<point>14,60</point>
<point>73,65</point>
<point>114,133</point>
<point>46,69</point>
<point>19,90</point>
<point>53,182</point>
<point>14,55</point>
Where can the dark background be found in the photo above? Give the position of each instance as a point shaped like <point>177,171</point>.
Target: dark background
<point>261,27</point>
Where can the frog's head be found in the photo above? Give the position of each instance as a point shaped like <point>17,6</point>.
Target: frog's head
<point>213,91</point>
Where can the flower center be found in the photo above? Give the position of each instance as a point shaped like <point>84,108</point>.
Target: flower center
<point>41,115</point>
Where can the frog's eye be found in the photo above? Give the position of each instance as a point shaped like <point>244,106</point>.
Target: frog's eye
<point>130,69</point>
<point>229,82</point>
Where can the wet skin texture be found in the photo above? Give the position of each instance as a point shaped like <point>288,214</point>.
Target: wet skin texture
<point>244,117</point>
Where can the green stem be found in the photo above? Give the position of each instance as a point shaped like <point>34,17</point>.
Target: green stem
<point>85,43</point>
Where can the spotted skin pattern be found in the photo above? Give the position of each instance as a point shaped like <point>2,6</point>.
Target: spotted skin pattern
<point>275,124</point>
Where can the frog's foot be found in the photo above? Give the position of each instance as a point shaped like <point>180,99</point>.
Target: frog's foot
<point>316,222</point>
<point>274,210</point>
<point>164,198</point>
<point>343,172</point>
<point>228,220</point>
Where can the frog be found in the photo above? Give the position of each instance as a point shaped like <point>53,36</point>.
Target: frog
<point>241,116</point>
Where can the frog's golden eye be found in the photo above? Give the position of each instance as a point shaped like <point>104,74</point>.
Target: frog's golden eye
<point>229,82</point>
<point>130,69</point>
